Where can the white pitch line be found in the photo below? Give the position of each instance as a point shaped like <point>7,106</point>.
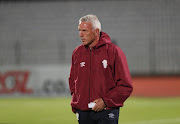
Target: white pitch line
<point>161,121</point>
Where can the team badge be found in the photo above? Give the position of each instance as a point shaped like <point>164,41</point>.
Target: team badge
<point>104,62</point>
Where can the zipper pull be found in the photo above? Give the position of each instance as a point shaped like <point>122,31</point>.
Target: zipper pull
<point>90,48</point>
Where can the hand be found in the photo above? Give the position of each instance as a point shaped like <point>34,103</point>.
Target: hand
<point>100,105</point>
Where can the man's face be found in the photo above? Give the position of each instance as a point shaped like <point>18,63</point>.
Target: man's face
<point>86,33</point>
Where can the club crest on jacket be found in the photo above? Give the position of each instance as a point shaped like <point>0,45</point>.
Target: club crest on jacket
<point>104,63</point>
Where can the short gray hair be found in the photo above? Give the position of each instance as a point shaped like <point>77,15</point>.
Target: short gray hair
<point>92,19</point>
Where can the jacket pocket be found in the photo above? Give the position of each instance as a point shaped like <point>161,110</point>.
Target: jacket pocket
<point>75,99</point>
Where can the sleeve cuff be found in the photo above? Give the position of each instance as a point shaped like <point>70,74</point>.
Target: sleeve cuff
<point>104,102</point>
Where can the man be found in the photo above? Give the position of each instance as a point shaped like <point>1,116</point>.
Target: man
<point>99,80</point>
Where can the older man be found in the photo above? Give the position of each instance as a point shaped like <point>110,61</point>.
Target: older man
<point>99,80</point>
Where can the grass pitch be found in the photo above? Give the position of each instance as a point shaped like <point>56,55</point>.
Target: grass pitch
<point>58,111</point>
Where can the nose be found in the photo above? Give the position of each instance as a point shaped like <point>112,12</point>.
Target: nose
<point>81,33</point>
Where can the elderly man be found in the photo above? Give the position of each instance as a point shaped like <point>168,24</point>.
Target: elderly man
<point>99,80</point>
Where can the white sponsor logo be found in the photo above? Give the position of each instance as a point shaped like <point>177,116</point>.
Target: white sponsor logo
<point>82,64</point>
<point>105,63</point>
<point>111,115</point>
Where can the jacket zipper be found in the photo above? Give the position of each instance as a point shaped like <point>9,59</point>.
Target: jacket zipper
<point>90,75</point>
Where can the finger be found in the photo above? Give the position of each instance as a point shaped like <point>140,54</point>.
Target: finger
<point>94,108</point>
<point>97,108</point>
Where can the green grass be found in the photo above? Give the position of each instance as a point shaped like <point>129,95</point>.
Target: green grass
<point>58,111</point>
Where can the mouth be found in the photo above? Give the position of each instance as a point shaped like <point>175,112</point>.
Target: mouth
<point>82,40</point>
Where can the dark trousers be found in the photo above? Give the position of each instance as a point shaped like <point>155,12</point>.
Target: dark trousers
<point>103,117</point>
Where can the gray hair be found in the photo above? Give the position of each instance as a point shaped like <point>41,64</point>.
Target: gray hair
<point>92,19</point>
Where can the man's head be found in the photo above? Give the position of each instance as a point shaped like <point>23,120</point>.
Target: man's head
<point>89,30</point>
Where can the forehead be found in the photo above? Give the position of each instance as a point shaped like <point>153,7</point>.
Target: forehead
<point>86,25</point>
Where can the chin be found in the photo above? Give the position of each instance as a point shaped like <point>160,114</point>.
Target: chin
<point>85,44</point>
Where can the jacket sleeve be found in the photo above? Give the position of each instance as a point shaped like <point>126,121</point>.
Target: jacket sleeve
<point>116,96</point>
<point>72,77</point>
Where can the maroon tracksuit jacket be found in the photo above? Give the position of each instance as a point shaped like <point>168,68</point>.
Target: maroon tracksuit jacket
<point>99,72</point>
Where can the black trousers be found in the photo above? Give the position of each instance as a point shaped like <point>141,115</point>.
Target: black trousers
<point>103,117</point>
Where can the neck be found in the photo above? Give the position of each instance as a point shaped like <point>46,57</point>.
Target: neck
<point>94,42</point>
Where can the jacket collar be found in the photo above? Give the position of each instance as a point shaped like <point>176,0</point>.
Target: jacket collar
<point>103,40</point>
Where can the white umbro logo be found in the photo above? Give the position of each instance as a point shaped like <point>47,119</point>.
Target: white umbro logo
<point>82,64</point>
<point>111,115</point>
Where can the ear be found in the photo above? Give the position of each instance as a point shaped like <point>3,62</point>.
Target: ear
<point>97,32</point>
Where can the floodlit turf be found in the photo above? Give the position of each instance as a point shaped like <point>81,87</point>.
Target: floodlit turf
<point>58,111</point>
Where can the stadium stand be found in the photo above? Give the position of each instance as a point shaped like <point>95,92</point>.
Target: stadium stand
<point>33,33</point>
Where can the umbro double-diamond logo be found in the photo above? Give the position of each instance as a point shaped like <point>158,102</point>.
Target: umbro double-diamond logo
<point>82,64</point>
<point>111,115</point>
